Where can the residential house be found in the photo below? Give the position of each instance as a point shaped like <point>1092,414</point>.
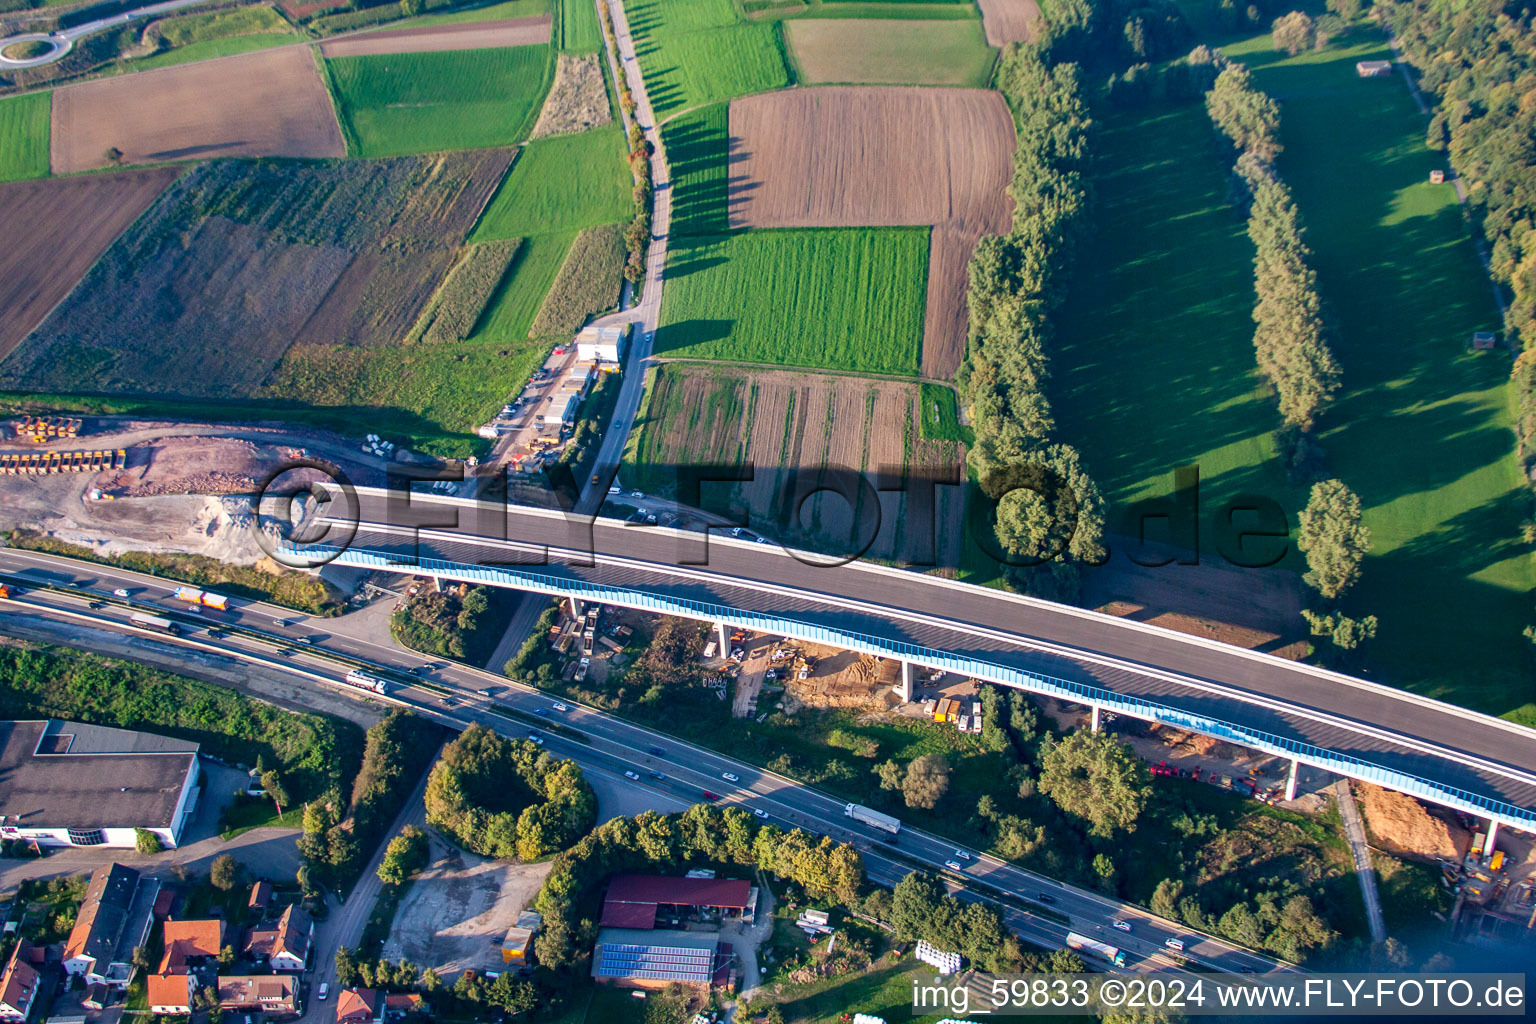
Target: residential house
<point>261,895</point>
<point>170,993</point>
<point>114,919</point>
<point>190,944</point>
<point>403,1004</point>
<point>19,984</point>
<point>359,1006</point>
<point>284,947</point>
<point>275,994</point>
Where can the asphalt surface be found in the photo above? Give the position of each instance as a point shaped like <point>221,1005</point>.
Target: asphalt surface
<point>614,747</point>
<point>933,619</point>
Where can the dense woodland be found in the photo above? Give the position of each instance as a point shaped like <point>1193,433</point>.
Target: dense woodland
<point>507,798</point>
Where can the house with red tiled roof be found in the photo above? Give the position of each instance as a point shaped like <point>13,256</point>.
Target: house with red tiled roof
<point>403,1004</point>
<point>19,984</point>
<point>169,993</point>
<point>261,895</point>
<point>359,1006</point>
<point>270,993</point>
<point>190,943</point>
<point>286,946</point>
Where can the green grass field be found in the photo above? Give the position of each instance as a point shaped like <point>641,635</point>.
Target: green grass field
<point>561,184</point>
<point>509,315</point>
<point>241,21</point>
<point>841,298</point>
<point>208,49</point>
<point>1154,366</point>
<point>24,136</point>
<point>697,145</point>
<point>480,12</point>
<point>578,27</point>
<point>694,52</point>
<point>941,414</point>
<point>428,102</point>
<point>1423,428</point>
<point>891,52</point>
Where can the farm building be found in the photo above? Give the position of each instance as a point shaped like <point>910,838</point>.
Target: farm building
<point>1436,177</point>
<point>1373,68</point>
<point>631,958</point>
<point>68,784</point>
<point>1483,340</point>
<point>602,344</point>
<point>636,901</point>
<point>114,919</point>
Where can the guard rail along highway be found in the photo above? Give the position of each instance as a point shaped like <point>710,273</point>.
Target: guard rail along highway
<point>1448,755</point>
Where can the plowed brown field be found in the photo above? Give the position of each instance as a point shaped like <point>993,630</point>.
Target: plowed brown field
<point>54,231</point>
<point>269,103</point>
<point>856,156</point>
<point>780,422</point>
<point>475,35</point>
<point>1010,21</point>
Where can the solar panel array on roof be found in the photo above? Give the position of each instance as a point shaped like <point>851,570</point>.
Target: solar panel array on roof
<point>655,963</point>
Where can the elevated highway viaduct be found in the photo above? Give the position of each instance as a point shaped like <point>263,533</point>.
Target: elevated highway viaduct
<point>1473,762</point>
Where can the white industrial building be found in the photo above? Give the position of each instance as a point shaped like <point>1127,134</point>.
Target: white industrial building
<point>70,784</point>
<point>602,344</point>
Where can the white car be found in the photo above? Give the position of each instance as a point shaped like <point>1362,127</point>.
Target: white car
<point>559,706</point>
<point>632,775</point>
<point>119,592</point>
<point>325,989</point>
<point>759,812</point>
<point>730,776</point>
<point>614,489</point>
<point>1123,926</point>
<point>1174,944</point>
<point>962,855</point>
<point>953,865</point>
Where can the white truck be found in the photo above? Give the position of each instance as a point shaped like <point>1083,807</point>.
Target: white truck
<point>884,822</point>
<point>1083,944</point>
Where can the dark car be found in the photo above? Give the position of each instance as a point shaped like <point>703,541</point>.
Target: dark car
<point>1045,897</point>
<point>658,751</point>
<point>710,796</point>
<point>657,775</point>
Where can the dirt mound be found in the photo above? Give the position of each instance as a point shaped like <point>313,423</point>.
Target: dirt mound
<point>1194,743</point>
<point>1404,827</point>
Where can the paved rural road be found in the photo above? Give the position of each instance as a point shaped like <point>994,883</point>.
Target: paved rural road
<point>1353,727</point>
<point>64,39</point>
<point>614,746</point>
<point>646,315</point>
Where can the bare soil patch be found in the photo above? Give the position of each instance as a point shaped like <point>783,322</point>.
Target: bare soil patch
<point>268,103</point>
<point>54,231</point>
<point>800,424</point>
<point>1404,827</point>
<point>578,100</point>
<point>474,35</point>
<point>1011,21</point>
<point>860,156</point>
<point>457,911</point>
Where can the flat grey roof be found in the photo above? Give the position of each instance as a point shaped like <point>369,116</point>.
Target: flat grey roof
<point>58,774</point>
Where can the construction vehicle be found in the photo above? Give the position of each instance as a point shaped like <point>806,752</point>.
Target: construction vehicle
<point>884,822</point>
<point>1083,944</point>
<point>5,591</point>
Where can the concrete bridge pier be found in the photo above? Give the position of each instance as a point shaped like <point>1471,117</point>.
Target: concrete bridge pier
<point>724,638</point>
<point>904,688</point>
<point>1291,780</point>
<point>574,607</point>
<point>1097,719</point>
<point>1490,839</point>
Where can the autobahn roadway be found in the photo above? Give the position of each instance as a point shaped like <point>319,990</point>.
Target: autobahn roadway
<point>1474,762</point>
<point>615,746</point>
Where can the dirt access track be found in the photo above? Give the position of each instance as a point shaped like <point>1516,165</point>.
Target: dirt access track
<point>861,156</point>
<point>54,231</point>
<point>1011,21</point>
<point>269,103</point>
<point>475,35</point>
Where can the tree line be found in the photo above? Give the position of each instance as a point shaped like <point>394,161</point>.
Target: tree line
<point>1050,513</point>
<point>339,832</point>
<point>507,798</point>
